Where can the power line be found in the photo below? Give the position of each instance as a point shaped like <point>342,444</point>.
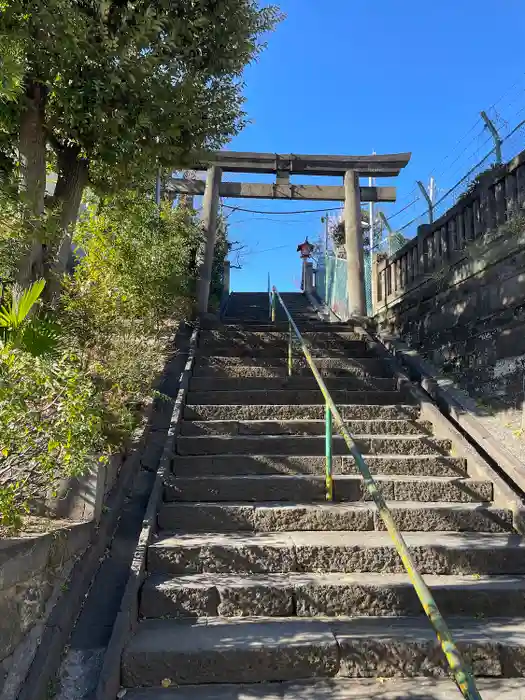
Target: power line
<point>281,213</point>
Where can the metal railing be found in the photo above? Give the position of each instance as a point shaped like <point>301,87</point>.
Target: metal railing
<point>462,674</point>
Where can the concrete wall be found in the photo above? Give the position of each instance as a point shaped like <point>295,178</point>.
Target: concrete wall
<point>33,574</point>
<point>456,292</point>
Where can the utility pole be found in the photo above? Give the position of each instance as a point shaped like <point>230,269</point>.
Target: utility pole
<point>428,200</point>
<point>489,124</point>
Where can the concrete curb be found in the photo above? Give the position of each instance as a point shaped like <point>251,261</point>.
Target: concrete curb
<point>109,682</point>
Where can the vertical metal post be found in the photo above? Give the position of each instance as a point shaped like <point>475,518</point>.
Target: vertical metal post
<point>290,350</point>
<point>495,135</point>
<point>429,202</point>
<point>157,189</point>
<point>269,298</point>
<point>328,453</point>
<point>274,304</point>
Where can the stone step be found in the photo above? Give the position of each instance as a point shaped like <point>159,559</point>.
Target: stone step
<point>236,465</point>
<point>353,552</point>
<point>354,348</point>
<point>279,397</point>
<point>285,517</point>
<point>366,364</point>
<point>337,689</point>
<point>308,445</point>
<point>253,337</point>
<point>316,326</point>
<point>280,372</point>
<point>293,383</point>
<point>245,650</point>
<point>311,595</point>
<point>303,427</point>
<point>293,412</point>
<point>303,489</point>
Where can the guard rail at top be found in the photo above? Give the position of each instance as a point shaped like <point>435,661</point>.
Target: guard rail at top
<point>462,674</point>
<point>499,195</point>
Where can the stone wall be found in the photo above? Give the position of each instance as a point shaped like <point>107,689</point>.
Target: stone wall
<point>456,293</point>
<point>33,573</point>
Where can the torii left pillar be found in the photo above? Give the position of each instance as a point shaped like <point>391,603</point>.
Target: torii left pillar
<point>210,207</point>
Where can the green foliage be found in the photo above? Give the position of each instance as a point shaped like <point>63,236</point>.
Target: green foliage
<point>72,384</point>
<point>135,264</point>
<point>51,420</point>
<point>222,248</point>
<point>14,315</point>
<point>132,85</point>
<point>137,269</point>
<point>36,335</point>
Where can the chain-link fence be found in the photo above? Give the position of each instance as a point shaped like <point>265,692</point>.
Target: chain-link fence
<point>331,284</point>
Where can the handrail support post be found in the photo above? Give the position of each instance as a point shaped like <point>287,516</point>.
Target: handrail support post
<point>328,453</point>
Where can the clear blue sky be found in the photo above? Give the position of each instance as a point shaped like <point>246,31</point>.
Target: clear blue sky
<point>352,77</point>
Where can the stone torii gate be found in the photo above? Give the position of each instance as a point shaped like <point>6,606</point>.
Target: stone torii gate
<point>283,166</point>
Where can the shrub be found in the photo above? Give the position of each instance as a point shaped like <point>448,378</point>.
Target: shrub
<point>52,423</point>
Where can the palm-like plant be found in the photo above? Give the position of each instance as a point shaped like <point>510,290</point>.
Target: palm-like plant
<point>20,329</point>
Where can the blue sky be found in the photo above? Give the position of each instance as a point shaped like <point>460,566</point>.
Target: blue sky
<point>352,77</point>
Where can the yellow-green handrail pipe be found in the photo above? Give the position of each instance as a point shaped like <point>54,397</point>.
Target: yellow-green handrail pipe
<point>462,674</point>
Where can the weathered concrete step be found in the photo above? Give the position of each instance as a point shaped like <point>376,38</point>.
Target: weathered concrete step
<point>354,552</point>
<point>316,326</point>
<point>304,427</point>
<point>354,348</point>
<point>242,650</point>
<point>296,396</point>
<point>293,412</point>
<point>293,383</point>
<point>278,516</point>
<point>280,371</point>
<point>302,489</point>
<point>369,365</point>
<point>311,595</point>
<point>214,651</point>
<point>253,337</point>
<point>308,445</point>
<point>337,689</point>
<point>236,465</point>
<point>284,517</point>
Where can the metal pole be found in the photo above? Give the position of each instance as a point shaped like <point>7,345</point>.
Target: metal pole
<point>274,304</point>
<point>269,298</point>
<point>328,453</point>
<point>429,201</point>
<point>157,189</point>
<point>494,132</point>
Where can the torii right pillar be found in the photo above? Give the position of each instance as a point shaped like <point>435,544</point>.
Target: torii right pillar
<point>355,282</point>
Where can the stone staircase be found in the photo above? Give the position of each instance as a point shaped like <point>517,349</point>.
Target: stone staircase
<point>254,579</point>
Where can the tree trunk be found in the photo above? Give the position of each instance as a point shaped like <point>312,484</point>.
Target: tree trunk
<point>72,179</point>
<point>32,147</point>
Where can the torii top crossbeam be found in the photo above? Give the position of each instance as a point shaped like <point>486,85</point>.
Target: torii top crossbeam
<point>388,165</point>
